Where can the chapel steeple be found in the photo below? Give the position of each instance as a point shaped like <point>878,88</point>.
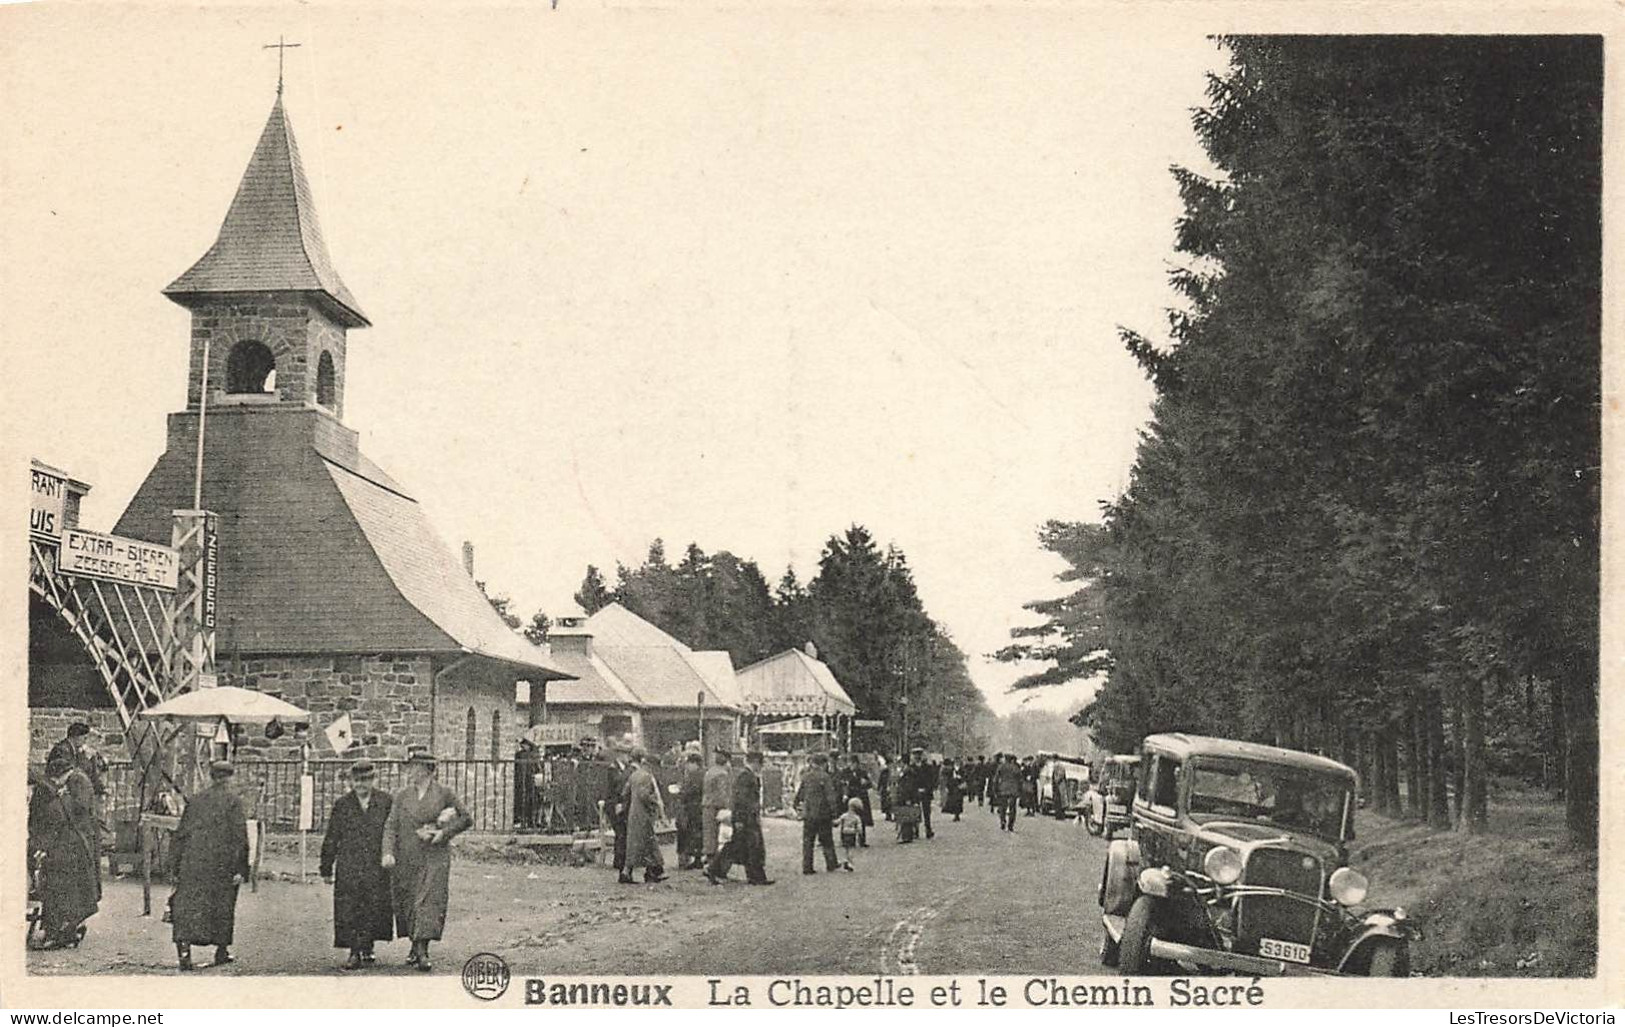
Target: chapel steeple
<point>266,298</point>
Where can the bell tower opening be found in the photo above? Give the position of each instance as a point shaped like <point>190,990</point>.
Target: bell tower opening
<point>326,394</point>
<point>250,369</point>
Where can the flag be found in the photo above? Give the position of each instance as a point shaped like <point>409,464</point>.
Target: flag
<point>338,733</point>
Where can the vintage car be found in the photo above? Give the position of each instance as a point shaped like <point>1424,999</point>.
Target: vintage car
<point>1238,863</point>
<point>1109,803</point>
<point>1062,783</point>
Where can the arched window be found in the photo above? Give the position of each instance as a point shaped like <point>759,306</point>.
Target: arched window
<point>324,380</point>
<point>468,742</point>
<point>250,369</point>
<point>496,734</point>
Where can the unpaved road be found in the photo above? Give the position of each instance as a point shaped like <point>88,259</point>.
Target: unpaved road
<point>974,900</point>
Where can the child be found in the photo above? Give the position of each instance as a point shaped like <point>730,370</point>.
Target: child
<point>851,827</point>
<point>725,827</point>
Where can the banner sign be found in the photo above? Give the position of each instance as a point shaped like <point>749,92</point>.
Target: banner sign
<point>868,723</point>
<point>211,567</point>
<point>48,499</point>
<point>557,734</point>
<point>111,558</point>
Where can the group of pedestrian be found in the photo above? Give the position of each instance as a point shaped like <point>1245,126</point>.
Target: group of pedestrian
<point>388,858</point>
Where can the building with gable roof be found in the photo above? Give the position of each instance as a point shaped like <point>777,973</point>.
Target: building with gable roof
<point>335,592</point>
<point>794,701</point>
<point>630,677</point>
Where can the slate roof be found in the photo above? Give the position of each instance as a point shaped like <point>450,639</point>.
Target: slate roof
<point>793,682</point>
<point>426,574</point>
<point>655,669</point>
<point>594,685</point>
<point>271,240</point>
<point>319,553</point>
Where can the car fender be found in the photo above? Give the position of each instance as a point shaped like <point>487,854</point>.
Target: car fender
<point>1119,885</point>
<point>1375,925</point>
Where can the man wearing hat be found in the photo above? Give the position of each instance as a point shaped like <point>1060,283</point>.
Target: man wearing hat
<point>352,862</point>
<point>644,809</point>
<point>691,810</point>
<point>62,842</point>
<point>210,857</point>
<point>747,846</point>
<point>423,819</point>
<point>714,798</point>
<point>76,746</point>
<point>615,807</point>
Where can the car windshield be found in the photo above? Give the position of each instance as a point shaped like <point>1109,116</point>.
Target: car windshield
<point>1270,793</point>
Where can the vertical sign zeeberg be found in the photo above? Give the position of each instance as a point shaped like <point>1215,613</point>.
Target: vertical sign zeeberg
<point>211,567</point>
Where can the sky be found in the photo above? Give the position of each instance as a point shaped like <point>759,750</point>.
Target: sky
<point>736,278</point>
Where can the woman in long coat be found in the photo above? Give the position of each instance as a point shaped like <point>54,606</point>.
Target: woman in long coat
<point>643,809</point>
<point>691,813</point>
<point>210,854</point>
<point>352,862</point>
<point>423,819</point>
<point>62,836</point>
<point>953,790</point>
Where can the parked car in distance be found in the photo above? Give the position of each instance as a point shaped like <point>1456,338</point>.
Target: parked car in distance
<point>1238,863</point>
<point>1062,782</point>
<point>1111,796</point>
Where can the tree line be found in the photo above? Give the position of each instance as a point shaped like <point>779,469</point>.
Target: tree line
<point>1364,518</point>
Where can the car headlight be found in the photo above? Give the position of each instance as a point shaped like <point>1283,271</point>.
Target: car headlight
<point>1222,865</point>
<point>1348,886</point>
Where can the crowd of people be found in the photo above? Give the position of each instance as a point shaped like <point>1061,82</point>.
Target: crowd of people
<point>388,857</point>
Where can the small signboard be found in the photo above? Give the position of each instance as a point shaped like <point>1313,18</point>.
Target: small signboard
<point>557,734</point>
<point>48,500</point>
<point>307,802</point>
<point>130,561</point>
<point>868,723</point>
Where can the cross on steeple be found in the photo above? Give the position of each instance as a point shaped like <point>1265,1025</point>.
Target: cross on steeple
<point>281,47</point>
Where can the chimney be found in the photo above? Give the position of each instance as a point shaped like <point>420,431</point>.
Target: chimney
<point>468,558</point>
<point>571,634</point>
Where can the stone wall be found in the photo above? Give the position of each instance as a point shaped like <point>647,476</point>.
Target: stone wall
<point>48,725</point>
<point>387,696</point>
<point>295,332</point>
<point>486,691</point>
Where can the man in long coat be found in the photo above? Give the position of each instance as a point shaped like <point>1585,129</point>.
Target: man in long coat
<point>423,819</point>
<point>77,747</point>
<point>691,814</point>
<point>615,799</point>
<point>210,856</point>
<point>1006,788</point>
<point>747,846</point>
<point>526,796</point>
<point>62,838</point>
<point>819,804</point>
<point>715,798</point>
<point>352,862</point>
<point>644,808</point>
<point>855,784</point>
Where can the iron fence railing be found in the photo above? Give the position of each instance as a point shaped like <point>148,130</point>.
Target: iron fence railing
<point>270,789</point>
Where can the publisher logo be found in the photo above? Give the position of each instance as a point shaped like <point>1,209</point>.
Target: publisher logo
<point>485,976</point>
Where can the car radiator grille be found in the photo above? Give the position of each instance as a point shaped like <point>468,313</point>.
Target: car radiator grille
<point>1268,916</point>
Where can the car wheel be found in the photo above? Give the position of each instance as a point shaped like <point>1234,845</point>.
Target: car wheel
<point>1389,958</point>
<point>1110,950</point>
<point>1134,949</point>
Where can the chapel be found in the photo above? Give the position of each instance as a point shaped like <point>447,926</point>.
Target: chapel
<point>335,592</point>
